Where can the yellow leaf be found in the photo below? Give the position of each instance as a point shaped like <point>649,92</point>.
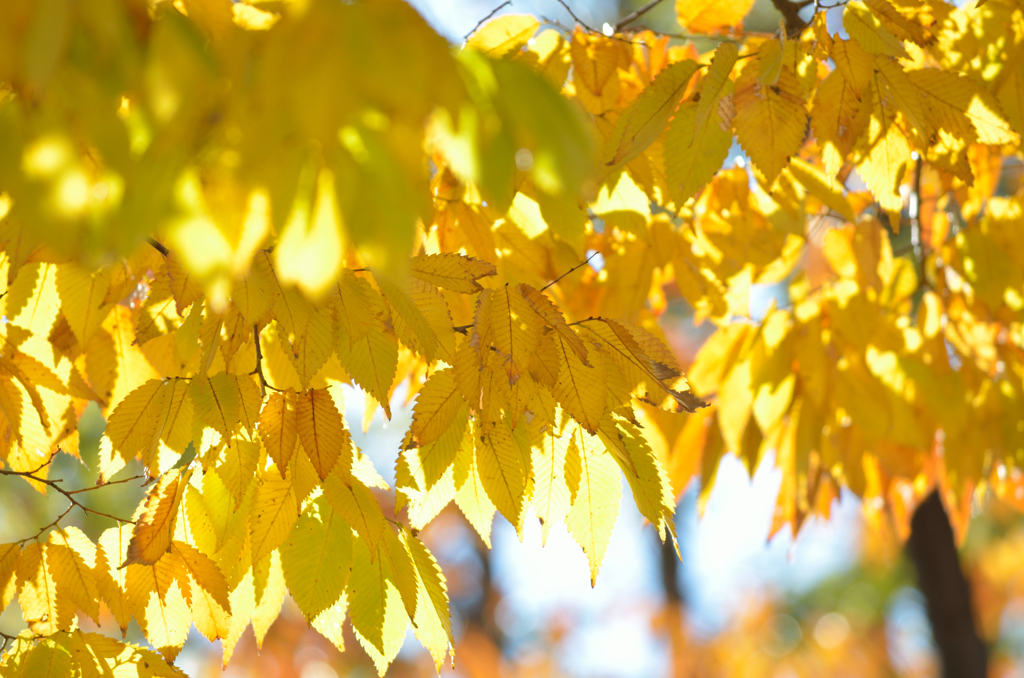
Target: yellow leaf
<point>310,247</point>
<point>217,401</point>
<point>886,161</point>
<point>371,359</point>
<point>553,318</point>
<point>432,621</point>
<point>707,16</point>
<point>715,85</point>
<point>692,154</point>
<point>146,415</point>
<point>515,329</point>
<point>420,316</point>
<point>182,284</point>
<point>900,25</point>
<point>375,606</point>
<point>770,121</point>
<point>854,63</point>
<point>279,427</point>
<point>503,35</point>
<point>82,298</point>
<point>645,118</point>
<point>453,272</point>
<point>551,494</point>
<point>821,187</point>
<point>954,101</point>
<point>110,576</point>
<point>866,28</point>
<point>43,609</point>
<point>647,478</point>
<point>357,506</point>
<point>317,559</point>
<point>270,598</point>
<point>71,557</point>
<point>503,455</point>
<point>596,501</point>
<point>322,433</point>
<point>274,513</point>
<point>158,603</point>
<point>204,573</point>
<point>47,660</point>
<point>152,535</point>
<point>901,91</point>
<point>8,566</point>
<point>310,349</point>
<point>470,495</point>
<point>329,623</point>
<point>581,390</point>
<point>838,118</point>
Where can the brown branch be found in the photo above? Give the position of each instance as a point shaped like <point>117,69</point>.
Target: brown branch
<point>576,18</point>
<point>946,591</point>
<point>636,14</point>
<point>67,494</point>
<point>482,21</point>
<point>577,266</point>
<point>158,247</point>
<point>790,12</point>
<point>259,364</point>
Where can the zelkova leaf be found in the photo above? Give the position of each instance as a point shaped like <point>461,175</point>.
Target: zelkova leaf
<point>204,572</point>
<point>701,16</point>
<point>274,512</point>
<point>432,607</point>
<point>503,35</point>
<point>693,154</point>
<point>581,390</point>
<point>43,609</point>
<point>322,432</point>
<point>503,456</point>
<point>317,559</point>
<point>867,29</point>
<point>644,120</point>
<point>83,299</point>
<point>452,271</point>
<point>153,532</point>
<point>515,329</point>
<point>72,557</point>
<point>649,369</point>
<point>553,318</point>
<point>371,360</point>
<point>770,121</point>
<point>596,502</point>
<point>279,427</point>
<point>715,85</point>
<point>954,101</point>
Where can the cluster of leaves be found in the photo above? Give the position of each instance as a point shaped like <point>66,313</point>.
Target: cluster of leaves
<point>331,196</point>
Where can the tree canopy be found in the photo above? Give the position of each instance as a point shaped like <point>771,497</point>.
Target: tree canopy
<point>214,214</point>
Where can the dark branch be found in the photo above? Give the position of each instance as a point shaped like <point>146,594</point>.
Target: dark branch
<point>946,592</point>
<point>68,494</point>
<point>577,266</point>
<point>259,363</point>
<point>636,14</point>
<point>158,247</point>
<point>576,18</point>
<point>790,12</point>
<point>482,21</point>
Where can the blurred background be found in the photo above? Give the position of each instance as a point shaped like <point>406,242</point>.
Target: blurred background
<point>839,600</point>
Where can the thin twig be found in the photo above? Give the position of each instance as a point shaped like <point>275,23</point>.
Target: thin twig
<point>158,247</point>
<point>482,21</point>
<point>145,477</point>
<point>68,494</point>
<point>580,265</point>
<point>7,639</point>
<point>259,363</point>
<point>576,18</point>
<point>636,14</point>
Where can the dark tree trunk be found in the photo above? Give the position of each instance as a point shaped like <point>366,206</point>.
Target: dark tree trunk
<point>933,550</point>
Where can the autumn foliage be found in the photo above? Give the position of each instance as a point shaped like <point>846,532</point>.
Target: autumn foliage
<point>214,215</point>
